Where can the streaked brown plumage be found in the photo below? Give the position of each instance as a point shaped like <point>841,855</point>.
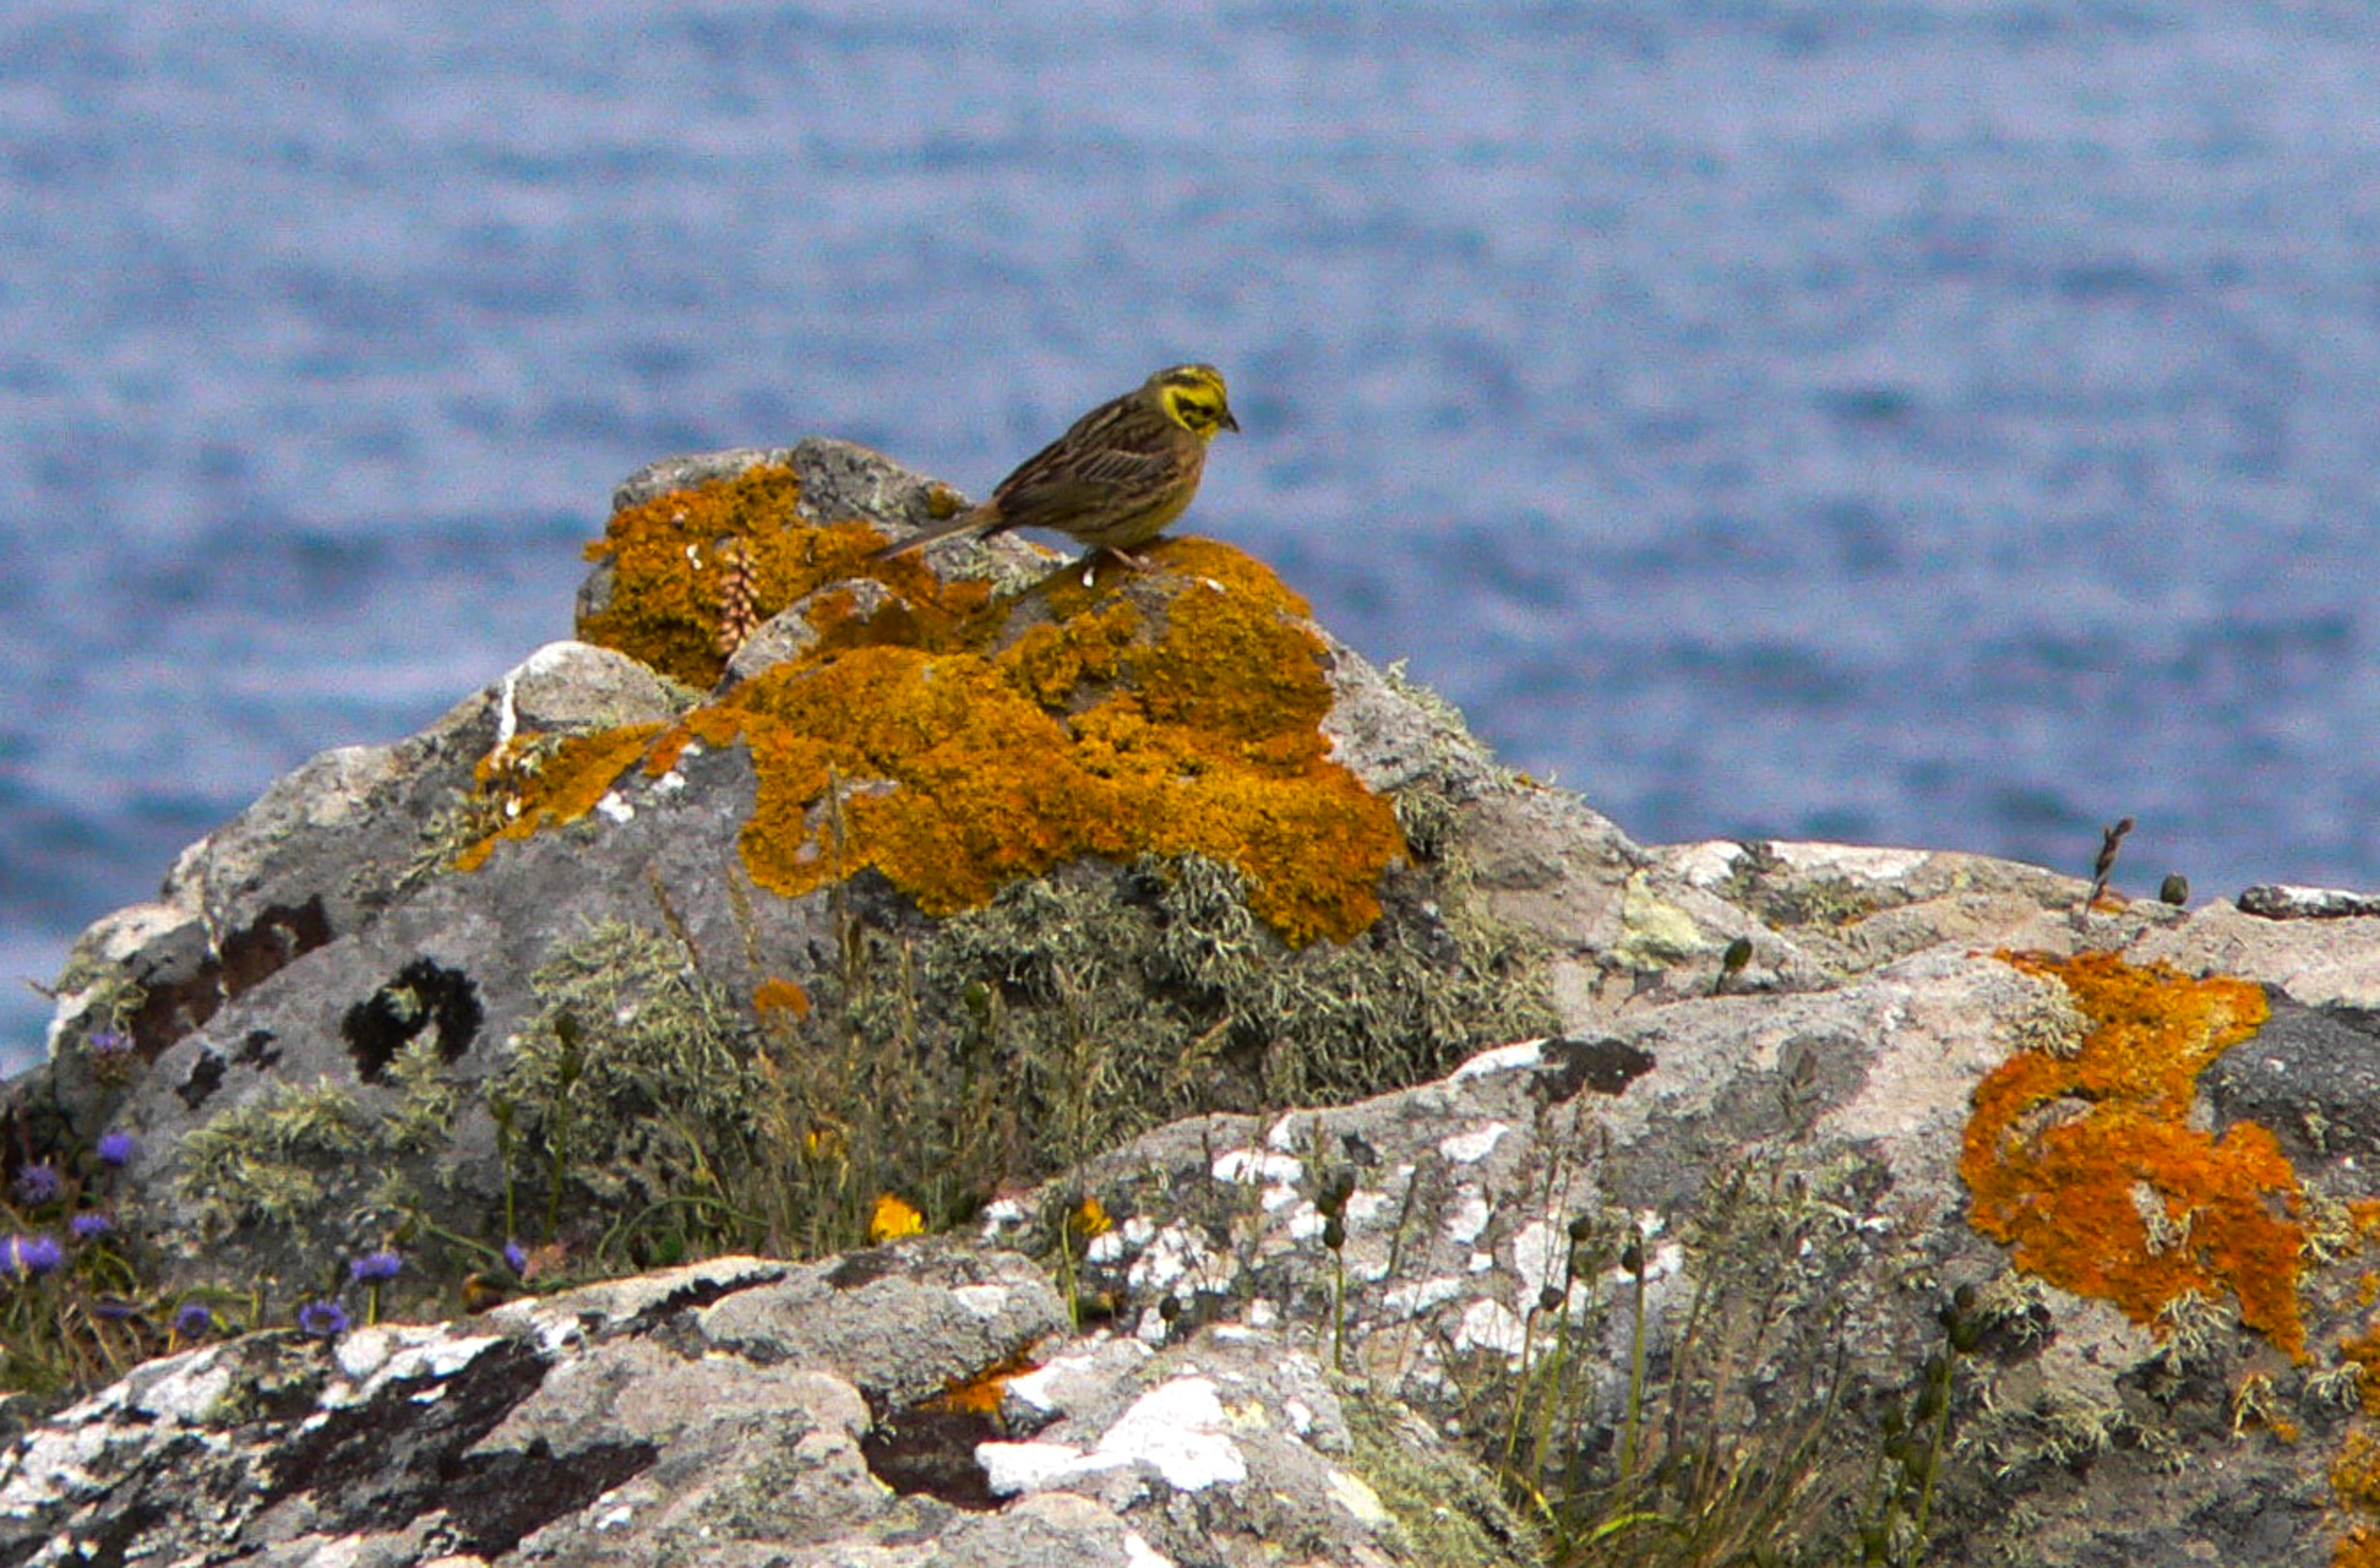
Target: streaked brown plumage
<point>1117,478</point>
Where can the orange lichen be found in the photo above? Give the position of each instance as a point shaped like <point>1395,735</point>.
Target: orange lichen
<point>734,550</point>
<point>955,744</point>
<point>2359,1548</point>
<point>2088,1168</point>
<point>981,1394</point>
<point>536,787</point>
<point>2355,1474</point>
<point>780,996</point>
<point>2363,1351</point>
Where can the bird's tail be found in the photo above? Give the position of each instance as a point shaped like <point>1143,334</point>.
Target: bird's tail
<point>983,518</point>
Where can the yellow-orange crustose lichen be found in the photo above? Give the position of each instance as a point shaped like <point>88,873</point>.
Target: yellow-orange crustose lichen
<point>2088,1168</point>
<point>542,788</point>
<point>956,742</point>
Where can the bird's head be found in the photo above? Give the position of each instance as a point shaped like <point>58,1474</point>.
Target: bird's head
<point>1193,398</point>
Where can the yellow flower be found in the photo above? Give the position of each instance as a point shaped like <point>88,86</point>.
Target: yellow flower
<point>893,1219</point>
<point>1090,1219</point>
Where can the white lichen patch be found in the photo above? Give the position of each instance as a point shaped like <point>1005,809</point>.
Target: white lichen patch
<point>1278,1173</point>
<point>1466,1217</point>
<point>987,1302</point>
<point>1057,1384</point>
<point>1349,1493</point>
<point>1179,1429</point>
<point>1490,1325</point>
<point>1865,862</point>
<point>1138,1553</point>
<point>1001,1214</point>
<point>1413,1300</point>
<point>1470,1147</point>
<point>1540,1255</point>
<point>1172,1255</point>
<point>615,808</point>
<point>1512,1058</point>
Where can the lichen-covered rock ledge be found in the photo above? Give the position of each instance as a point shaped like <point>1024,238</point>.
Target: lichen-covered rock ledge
<point>1342,1149</point>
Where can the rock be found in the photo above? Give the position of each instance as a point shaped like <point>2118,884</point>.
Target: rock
<point>1345,1132</point>
<point>2276,901</point>
<point>724,1412</point>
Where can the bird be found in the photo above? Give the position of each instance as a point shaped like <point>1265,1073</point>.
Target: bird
<point>1118,477</point>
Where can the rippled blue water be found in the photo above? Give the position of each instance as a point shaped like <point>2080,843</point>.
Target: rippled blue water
<point>1949,422</point>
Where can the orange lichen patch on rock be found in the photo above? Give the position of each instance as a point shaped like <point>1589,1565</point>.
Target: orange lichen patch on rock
<point>1114,729</point>
<point>2355,1474</point>
<point>2363,1351</point>
<point>2088,1168</point>
<point>981,1394</point>
<point>956,743</point>
<point>2359,1548</point>
<point>673,574</point>
<point>536,788</point>
<point>780,996</point>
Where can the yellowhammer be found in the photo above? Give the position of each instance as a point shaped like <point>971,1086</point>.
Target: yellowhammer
<point>1116,478</point>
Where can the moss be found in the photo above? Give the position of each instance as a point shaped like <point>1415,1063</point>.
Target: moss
<point>2088,1168</point>
<point>956,745</point>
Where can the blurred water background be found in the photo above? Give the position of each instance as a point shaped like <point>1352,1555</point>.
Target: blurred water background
<point>1946,422</point>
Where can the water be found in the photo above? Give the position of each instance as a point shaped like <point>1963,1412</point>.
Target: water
<point>1944,422</point>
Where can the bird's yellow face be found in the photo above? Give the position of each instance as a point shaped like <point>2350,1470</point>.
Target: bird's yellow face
<point>1193,398</point>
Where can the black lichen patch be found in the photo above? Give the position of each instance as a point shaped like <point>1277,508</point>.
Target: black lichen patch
<point>693,1297</point>
<point>859,1269</point>
<point>424,995</point>
<point>494,1500</point>
<point>276,938</point>
<point>1607,1066</point>
<point>206,1077</point>
<point>929,1447</point>
<point>2313,1076</point>
<point>386,1462</point>
<point>258,1051</point>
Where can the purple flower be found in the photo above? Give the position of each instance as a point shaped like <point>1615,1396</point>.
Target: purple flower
<point>116,1149</point>
<point>37,1183</point>
<point>322,1319</point>
<point>193,1321</point>
<point>30,1256</point>
<point>109,1045</point>
<point>89,1226</point>
<point>375,1267</point>
<point>515,1258</point>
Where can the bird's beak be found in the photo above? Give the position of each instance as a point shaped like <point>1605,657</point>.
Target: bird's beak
<point>1230,423</point>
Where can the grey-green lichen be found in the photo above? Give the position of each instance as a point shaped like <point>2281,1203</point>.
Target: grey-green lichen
<point>637,1078</point>
<point>1448,1510</point>
<point>262,1163</point>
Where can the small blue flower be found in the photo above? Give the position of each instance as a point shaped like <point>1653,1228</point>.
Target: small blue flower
<point>116,1149</point>
<point>193,1321</point>
<point>515,1258</point>
<point>109,1045</point>
<point>89,1226</point>
<point>322,1319</point>
<point>375,1267</point>
<point>30,1256</point>
<point>37,1183</point>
